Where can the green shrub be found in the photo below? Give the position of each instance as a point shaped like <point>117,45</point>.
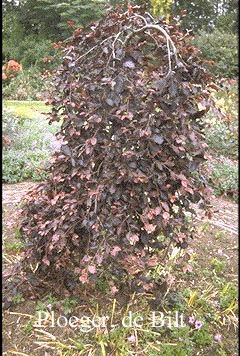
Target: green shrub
<point>33,52</point>
<point>28,85</point>
<point>32,142</point>
<point>223,176</point>
<point>222,48</point>
<point>30,52</point>
<point>229,94</point>
<point>10,124</point>
<point>21,165</point>
<point>223,139</point>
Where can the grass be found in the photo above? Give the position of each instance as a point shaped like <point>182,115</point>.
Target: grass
<point>27,109</point>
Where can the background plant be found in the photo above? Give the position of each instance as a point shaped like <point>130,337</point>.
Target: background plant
<point>10,126</point>
<point>224,177</point>
<point>221,170</point>
<point>207,15</point>
<point>221,48</point>
<point>30,84</point>
<point>10,70</point>
<point>29,143</point>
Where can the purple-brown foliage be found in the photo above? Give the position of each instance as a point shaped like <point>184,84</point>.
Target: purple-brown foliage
<point>131,110</point>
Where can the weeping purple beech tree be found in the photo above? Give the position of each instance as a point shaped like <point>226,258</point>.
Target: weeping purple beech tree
<point>131,94</point>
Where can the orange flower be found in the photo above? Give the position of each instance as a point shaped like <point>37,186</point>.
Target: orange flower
<point>13,66</point>
<point>4,77</point>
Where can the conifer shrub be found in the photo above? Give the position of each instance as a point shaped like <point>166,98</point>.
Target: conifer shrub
<point>132,94</point>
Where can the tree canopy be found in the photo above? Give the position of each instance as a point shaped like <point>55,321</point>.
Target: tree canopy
<point>208,14</point>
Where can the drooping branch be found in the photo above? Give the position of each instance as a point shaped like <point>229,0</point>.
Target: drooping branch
<point>171,49</point>
<point>168,39</point>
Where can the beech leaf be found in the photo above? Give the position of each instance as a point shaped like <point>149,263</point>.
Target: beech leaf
<point>115,250</point>
<point>150,228</point>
